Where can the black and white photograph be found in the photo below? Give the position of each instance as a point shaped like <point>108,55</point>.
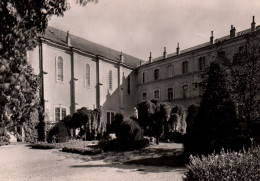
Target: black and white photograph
<point>129,90</point>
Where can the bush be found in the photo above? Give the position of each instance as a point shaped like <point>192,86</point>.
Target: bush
<point>234,166</point>
<point>44,146</point>
<point>82,151</point>
<point>129,131</point>
<point>4,137</point>
<point>215,123</point>
<point>129,137</point>
<point>59,133</point>
<point>30,127</point>
<point>114,127</point>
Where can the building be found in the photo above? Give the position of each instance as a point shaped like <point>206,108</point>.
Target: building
<point>174,77</point>
<point>78,73</point>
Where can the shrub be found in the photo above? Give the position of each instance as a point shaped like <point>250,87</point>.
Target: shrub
<point>58,133</point>
<point>30,127</point>
<point>129,137</point>
<point>89,121</point>
<point>215,123</point>
<point>4,137</point>
<point>82,151</point>
<point>114,127</point>
<point>243,166</point>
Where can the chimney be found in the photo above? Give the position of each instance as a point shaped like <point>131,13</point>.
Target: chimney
<point>232,32</point>
<point>164,53</point>
<point>253,24</point>
<point>150,58</point>
<point>121,57</point>
<point>68,38</point>
<point>211,38</point>
<point>140,62</point>
<point>178,49</point>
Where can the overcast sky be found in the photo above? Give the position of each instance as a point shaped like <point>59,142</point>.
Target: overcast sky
<point>137,27</point>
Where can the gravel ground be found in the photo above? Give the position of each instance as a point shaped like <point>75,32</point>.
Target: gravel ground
<point>20,162</point>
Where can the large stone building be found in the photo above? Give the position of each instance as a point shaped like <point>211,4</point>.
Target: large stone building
<point>78,73</point>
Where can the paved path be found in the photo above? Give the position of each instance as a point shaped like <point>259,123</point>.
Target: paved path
<point>19,162</point>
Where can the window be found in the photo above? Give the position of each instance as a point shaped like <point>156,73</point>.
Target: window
<point>156,94</point>
<point>110,117</point>
<point>59,69</point>
<point>144,77</point>
<point>144,98</point>
<point>184,91</point>
<point>202,63</point>
<point>87,75</point>
<point>156,74</point>
<point>170,71</point>
<point>221,54</point>
<point>128,85</point>
<point>170,93</point>
<point>60,113</point>
<point>110,82</point>
<point>185,67</point>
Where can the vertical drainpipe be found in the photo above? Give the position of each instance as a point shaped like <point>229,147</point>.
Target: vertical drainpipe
<point>98,83</point>
<point>73,103</point>
<point>119,88</point>
<point>41,76</point>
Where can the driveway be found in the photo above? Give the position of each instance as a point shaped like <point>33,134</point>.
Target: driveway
<point>20,162</point>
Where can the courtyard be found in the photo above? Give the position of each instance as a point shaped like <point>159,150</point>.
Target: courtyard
<point>20,162</point>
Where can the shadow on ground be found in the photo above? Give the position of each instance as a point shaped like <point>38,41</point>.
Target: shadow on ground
<point>134,168</point>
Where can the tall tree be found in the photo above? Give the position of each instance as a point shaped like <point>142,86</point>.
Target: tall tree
<point>20,22</point>
<point>216,118</point>
<point>244,76</point>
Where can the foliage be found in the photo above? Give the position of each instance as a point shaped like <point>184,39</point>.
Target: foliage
<point>58,133</point>
<point>4,137</point>
<point>231,166</point>
<point>89,121</point>
<point>216,122</point>
<point>129,137</point>
<point>145,111</point>
<point>114,127</point>
<point>129,131</point>
<point>82,151</point>
<point>191,117</point>
<point>244,76</point>
<point>161,118</point>
<point>20,21</point>
<point>30,127</point>
<point>178,119</point>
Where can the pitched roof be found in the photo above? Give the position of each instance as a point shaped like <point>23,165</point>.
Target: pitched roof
<point>59,36</point>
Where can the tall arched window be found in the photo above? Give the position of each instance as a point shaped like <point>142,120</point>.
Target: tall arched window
<point>87,75</point>
<point>59,69</point>
<point>110,81</point>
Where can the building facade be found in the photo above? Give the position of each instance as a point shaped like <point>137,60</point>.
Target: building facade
<point>78,73</point>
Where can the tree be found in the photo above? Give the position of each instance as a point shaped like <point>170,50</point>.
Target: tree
<point>244,76</point>
<point>216,118</point>
<point>88,120</point>
<point>20,23</point>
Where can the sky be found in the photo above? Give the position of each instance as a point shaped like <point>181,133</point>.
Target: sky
<point>138,27</point>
